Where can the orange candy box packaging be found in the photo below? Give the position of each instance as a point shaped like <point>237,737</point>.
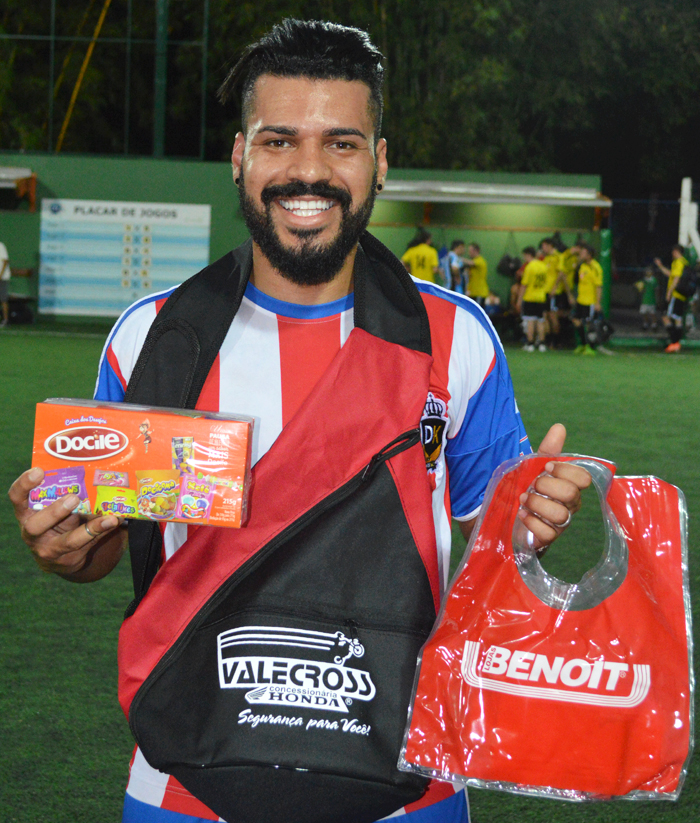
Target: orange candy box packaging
<point>144,462</point>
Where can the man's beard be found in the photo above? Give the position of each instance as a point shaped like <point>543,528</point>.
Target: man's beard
<point>311,263</point>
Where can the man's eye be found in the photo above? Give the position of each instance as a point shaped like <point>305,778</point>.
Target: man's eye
<point>344,145</point>
<point>278,143</point>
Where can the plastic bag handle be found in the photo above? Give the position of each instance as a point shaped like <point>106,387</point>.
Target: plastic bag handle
<point>597,583</point>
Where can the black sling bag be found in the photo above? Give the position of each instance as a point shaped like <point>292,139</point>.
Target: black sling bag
<point>269,669</point>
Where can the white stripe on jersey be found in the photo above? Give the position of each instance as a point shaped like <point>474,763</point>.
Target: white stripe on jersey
<point>250,376</point>
<point>146,783</point>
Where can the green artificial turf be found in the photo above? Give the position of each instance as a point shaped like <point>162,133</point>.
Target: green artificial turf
<point>65,745</point>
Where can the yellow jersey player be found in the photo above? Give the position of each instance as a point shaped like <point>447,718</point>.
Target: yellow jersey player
<point>532,299</point>
<point>477,287</point>
<point>553,260</point>
<point>677,303</point>
<point>420,258</point>
<point>590,289</point>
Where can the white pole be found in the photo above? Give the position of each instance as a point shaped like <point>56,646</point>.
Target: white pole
<point>684,223</point>
<point>693,235</point>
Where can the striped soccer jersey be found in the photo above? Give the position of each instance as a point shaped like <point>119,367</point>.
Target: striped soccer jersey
<point>270,360</point>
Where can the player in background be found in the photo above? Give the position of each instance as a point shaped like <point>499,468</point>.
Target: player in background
<point>421,259</point>
<point>478,286</point>
<point>532,299</point>
<point>677,303</point>
<point>555,288</point>
<point>647,308</point>
<point>458,270</point>
<point>590,289</point>
<point>567,283</point>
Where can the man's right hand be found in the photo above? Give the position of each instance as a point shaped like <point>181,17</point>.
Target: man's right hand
<point>78,548</point>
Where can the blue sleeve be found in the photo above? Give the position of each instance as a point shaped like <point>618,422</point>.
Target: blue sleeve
<point>491,433</point>
<point>109,385</point>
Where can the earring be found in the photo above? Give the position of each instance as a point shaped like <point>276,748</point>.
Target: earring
<point>379,186</point>
<point>237,180</point>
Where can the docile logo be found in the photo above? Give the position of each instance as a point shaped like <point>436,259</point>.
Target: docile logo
<point>86,443</point>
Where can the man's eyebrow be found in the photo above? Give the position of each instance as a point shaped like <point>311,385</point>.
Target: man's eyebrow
<point>341,132</point>
<point>287,131</point>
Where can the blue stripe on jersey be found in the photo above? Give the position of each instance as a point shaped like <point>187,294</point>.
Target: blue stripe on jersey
<point>453,809</point>
<point>491,432</point>
<point>109,387</point>
<point>295,310</point>
<point>137,812</point>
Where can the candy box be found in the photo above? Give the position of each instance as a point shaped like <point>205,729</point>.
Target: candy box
<point>144,462</point>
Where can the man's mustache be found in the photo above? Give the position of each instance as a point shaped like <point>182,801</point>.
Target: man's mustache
<point>299,189</point>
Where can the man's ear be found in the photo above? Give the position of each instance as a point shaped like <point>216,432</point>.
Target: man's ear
<point>237,155</point>
<point>382,164</point>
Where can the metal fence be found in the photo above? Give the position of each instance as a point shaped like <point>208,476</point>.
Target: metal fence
<point>642,230</point>
<point>133,47</point>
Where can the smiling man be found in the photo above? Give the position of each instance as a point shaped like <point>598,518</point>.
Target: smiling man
<point>391,401</point>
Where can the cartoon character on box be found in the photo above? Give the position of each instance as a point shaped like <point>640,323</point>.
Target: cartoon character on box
<point>145,431</point>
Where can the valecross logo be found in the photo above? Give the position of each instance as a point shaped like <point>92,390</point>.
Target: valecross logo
<point>516,672</point>
<point>86,443</point>
<point>306,680</point>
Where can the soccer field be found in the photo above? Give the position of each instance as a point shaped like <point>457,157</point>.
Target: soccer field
<point>65,745</point>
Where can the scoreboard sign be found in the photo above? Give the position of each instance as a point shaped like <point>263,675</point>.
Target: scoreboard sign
<point>99,256</point>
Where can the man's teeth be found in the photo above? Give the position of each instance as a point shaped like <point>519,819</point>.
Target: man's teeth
<point>306,208</point>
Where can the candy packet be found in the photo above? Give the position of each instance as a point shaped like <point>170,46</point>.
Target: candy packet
<point>196,497</point>
<point>56,484</point>
<point>157,493</point>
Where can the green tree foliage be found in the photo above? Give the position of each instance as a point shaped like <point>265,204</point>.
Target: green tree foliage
<point>607,86</point>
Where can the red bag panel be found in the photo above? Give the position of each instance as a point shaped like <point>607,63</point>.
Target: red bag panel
<point>368,373</point>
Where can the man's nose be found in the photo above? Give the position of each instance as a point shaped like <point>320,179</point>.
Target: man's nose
<point>309,164</point>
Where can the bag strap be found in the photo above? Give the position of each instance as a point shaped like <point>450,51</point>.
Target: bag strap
<point>187,333</point>
<point>185,338</point>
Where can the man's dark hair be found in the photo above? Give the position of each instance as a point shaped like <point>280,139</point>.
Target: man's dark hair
<point>678,247</point>
<point>475,246</point>
<point>456,243</point>
<point>530,250</point>
<point>309,48</point>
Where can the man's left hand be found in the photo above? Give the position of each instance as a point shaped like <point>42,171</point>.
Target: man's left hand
<point>556,494</point>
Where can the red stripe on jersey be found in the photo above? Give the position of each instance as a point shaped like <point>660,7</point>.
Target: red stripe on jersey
<point>490,369</point>
<point>437,790</point>
<point>448,502</point>
<point>307,348</point>
<point>441,314</point>
<point>114,364</point>
<point>160,303</point>
<point>178,799</point>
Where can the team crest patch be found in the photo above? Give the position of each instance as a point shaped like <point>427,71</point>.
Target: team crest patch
<point>432,429</point>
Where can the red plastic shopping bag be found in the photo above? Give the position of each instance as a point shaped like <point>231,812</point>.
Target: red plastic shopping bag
<point>580,691</point>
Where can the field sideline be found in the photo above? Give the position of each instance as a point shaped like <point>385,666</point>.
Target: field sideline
<point>65,743</point>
